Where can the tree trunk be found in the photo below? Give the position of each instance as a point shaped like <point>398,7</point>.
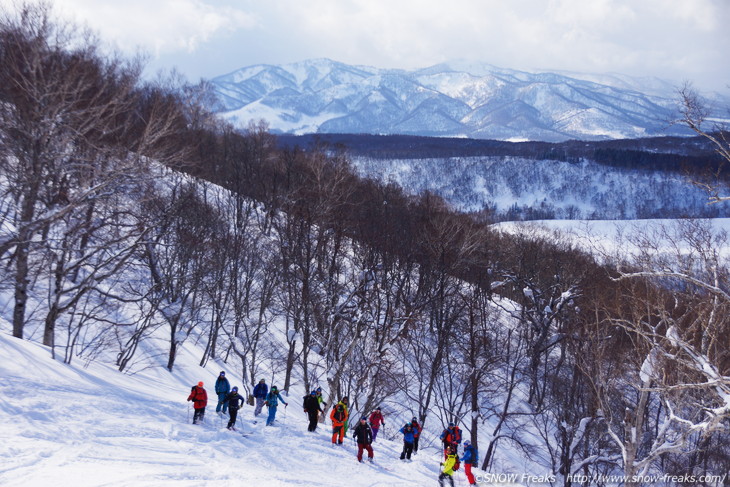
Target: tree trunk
<point>21,289</point>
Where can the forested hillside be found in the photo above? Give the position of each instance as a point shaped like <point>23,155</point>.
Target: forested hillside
<point>513,181</point>
<point>133,221</point>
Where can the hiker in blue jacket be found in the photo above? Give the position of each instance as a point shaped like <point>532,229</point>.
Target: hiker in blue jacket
<point>272,401</point>
<point>469,459</point>
<point>259,393</point>
<point>409,436</point>
<point>222,388</point>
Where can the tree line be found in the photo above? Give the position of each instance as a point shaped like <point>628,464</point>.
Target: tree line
<point>682,155</point>
<point>133,221</point>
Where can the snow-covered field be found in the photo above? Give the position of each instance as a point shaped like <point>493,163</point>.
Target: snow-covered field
<point>607,238</point>
<point>70,425</point>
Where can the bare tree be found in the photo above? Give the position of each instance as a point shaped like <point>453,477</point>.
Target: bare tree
<point>695,114</point>
<point>73,125</point>
<point>177,258</point>
<point>662,378</point>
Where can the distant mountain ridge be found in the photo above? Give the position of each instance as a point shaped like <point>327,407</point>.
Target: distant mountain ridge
<point>454,100</point>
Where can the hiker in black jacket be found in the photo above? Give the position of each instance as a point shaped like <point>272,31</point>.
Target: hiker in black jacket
<point>311,407</point>
<point>363,434</point>
<point>234,401</point>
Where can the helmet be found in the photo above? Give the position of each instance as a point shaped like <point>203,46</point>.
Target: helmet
<point>377,408</point>
<point>223,372</point>
<point>467,443</point>
<point>452,425</point>
<point>319,389</point>
<point>313,393</point>
<point>274,388</point>
<point>200,384</point>
<point>414,420</point>
<point>409,425</point>
<point>235,389</point>
<point>363,418</point>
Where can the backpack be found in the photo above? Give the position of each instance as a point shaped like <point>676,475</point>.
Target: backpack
<point>339,414</point>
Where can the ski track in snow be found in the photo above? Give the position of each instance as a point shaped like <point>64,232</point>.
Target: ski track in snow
<point>66,425</point>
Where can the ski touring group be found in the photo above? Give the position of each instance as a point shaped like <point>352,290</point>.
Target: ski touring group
<point>364,433</point>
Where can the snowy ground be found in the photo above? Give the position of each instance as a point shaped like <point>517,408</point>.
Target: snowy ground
<point>611,237</point>
<point>66,425</point>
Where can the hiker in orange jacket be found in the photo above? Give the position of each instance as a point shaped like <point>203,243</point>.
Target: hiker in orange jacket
<point>338,417</point>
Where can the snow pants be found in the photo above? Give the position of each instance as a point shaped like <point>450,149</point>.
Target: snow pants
<point>222,404</point>
<point>360,448</point>
<point>338,433</point>
<point>313,416</point>
<point>234,413</point>
<point>407,450</point>
<point>443,477</point>
<point>272,415</point>
<point>259,405</point>
<point>375,432</point>
<point>199,415</point>
<point>469,475</point>
<point>415,445</point>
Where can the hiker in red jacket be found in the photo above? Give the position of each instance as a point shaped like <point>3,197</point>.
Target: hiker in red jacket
<point>451,436</point>
<point>417,433</point>
<point>376,419</point>
<point>200,400</point>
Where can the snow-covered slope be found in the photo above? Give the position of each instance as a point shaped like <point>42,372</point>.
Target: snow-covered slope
<point>469,100</point>
<point>76,425</point>
<point>515,188</point>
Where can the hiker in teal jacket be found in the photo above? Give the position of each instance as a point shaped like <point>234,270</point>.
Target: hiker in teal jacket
<point>272,401</point>
<point>222,388</point>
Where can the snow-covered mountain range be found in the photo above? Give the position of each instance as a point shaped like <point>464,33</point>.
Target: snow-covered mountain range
<point>456,99</point>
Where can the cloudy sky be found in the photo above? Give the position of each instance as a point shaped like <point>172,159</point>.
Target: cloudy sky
<point>679,40</point>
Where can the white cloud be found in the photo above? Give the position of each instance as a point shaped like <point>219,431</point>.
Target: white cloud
<point>162,26</point>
